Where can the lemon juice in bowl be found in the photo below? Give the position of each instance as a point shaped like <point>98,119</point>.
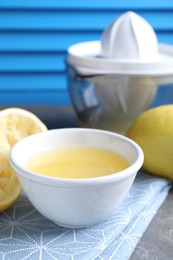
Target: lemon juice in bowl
<point>77,162</point>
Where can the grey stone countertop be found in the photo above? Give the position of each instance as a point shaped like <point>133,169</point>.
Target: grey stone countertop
<point>157,241</point>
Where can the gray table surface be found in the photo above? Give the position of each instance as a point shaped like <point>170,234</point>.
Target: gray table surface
<point>157,241</point>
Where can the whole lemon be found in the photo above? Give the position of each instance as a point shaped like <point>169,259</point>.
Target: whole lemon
<point>153,131</point>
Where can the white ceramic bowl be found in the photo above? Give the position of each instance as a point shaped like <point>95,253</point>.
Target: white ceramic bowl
<point>76,203</point>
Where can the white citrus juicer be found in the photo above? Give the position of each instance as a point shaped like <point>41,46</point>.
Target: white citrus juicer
<point>113,80</point>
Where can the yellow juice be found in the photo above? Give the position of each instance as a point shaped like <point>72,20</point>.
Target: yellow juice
<point>77,162</point>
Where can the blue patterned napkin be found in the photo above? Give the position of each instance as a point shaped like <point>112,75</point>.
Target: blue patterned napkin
<point>25,234</point>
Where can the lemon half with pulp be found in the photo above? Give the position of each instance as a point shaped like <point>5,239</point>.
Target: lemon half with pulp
<point>15,124</point>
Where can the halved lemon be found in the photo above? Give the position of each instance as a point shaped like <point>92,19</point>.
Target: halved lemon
<point>10,188</point>
<point>15,124</point>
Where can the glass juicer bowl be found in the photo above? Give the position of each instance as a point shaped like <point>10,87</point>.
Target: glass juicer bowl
<point>109,102</point>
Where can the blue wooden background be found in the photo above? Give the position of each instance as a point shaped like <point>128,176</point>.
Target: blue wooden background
<point>35,35</point>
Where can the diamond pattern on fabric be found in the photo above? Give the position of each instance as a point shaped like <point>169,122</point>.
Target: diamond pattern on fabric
<point>26,234</point>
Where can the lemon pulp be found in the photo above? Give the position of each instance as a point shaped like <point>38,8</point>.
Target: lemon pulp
<point>15,124</point>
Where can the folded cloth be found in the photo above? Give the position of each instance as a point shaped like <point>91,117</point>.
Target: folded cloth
<point>25,234</point>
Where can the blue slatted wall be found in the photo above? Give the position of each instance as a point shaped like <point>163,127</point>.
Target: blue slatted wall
<point>35,34</point>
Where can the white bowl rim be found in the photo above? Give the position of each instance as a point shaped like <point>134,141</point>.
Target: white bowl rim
<point>77,182</point>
